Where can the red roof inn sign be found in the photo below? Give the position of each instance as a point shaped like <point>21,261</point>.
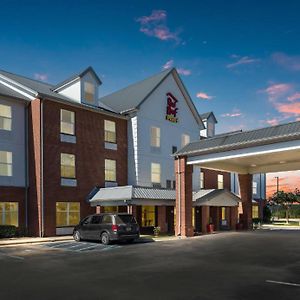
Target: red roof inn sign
<point>171,108</point>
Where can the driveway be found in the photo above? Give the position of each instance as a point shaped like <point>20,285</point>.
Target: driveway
<point>235,265</point>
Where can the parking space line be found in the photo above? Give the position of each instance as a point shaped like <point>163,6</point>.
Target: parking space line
<point>12,256</point>
<point>86,248</point>
<point>284,283</point>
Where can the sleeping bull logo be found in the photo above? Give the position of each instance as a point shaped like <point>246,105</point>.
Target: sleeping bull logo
<point>172,110</point>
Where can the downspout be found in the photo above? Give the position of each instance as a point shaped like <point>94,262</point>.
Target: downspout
<point>42,169</point>
<point>26,169</point>
<point>179,197</point>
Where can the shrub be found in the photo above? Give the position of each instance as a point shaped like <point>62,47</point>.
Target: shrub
<point>8,231</point>
<point>267,214</point>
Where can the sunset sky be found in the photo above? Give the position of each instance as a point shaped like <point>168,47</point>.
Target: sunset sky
<point>240,59</point>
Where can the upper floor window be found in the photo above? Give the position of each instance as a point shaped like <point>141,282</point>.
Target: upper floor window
<point>110,170</point>
<point>174,149</point>
<point>67,122</point>
<point>89,92</point>
<point>155,137</point>
<point>201,180</point>
<point>110,131</point>
<point>5,117</point>
<point>9,213</point>
<point>254,188</point>
<point>155,173</point>
<point>185,139</point>
<point>220,181</point>
<point>5,163</point>
<point>67,166</point>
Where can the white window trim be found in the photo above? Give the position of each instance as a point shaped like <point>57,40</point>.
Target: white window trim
<point>10,164</point>
<point>7,118</point>
<point>152,165</point>
<point>155,141</point>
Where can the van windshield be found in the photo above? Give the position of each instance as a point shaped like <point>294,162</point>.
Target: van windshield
<point>125,219</point>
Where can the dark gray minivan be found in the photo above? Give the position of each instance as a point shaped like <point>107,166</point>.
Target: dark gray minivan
<point>107,227</point>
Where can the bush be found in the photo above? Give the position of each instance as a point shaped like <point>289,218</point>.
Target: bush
<point>8,231</point>
<point>267,214</point>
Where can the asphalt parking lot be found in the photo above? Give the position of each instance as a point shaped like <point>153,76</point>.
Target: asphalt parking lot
<point>233,265</point>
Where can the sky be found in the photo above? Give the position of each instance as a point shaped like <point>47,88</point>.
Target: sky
<point>239,59</point>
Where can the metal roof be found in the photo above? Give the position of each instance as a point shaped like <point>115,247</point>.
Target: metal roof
<point>245,139</point>
<point>6,91</point>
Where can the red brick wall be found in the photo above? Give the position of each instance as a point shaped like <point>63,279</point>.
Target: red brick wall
<point>211,179</point>
<point>16,194</point>
<point>90,155</point>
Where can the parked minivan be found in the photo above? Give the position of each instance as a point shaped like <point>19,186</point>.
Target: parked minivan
<point>107,227</point>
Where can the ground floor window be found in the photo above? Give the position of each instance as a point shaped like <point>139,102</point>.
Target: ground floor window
<point>255,211</point>
<point>193,216</point>
<point>67,213</point>
<point>223,213</point>
<point>9,213</point>
<point>148,216</point>
<point>109,209</point>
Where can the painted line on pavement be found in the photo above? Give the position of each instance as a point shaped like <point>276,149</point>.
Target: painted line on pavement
<point>12,256</point>
<point>284,283</point>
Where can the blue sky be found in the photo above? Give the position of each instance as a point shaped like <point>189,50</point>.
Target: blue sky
<point>240,59</point>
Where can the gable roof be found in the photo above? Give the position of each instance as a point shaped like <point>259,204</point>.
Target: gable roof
<point>132,96</point>
<point>78,75</point>
<point>206,115</point>
<point>244,139</point>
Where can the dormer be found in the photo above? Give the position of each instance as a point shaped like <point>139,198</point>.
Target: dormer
<point>82,87</point>
<point>209,121</point>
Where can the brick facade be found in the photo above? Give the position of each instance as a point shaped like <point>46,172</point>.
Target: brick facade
<point>245,181</point>
<point>211,179</point>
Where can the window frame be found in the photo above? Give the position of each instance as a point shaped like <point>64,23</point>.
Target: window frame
<point>85,93</point>
<point>4,117</point>
<point>185,136</point>
<point>3,214</point>
<point>9,164</point>
<point>69,166</point>
<point>220,182</point>
<point>153,165</point>
<point>155,140</point>
<point>68,211</point>
<point>73,124</point>
<point>202,181</point>
<point>106,131</point>
<point>106,169</point>
<point>254,188</point>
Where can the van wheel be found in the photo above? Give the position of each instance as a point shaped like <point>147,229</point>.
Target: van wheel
<point>76,236</point>
<point>105,238</point>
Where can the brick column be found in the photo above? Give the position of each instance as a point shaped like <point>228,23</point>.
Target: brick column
<point>98,209</point>
<point>161,218</point>
<point>184,180</point>
<point>233,217</point>
<point>204,218</point>
<point>245,181</point>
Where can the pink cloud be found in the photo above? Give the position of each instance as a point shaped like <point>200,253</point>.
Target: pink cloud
<point>294,97</point>
<point>41,77</point>
<point>235,113</point>
<point>275,91</point>
<point>204,96</point>
<point>286,61</point>
<point>155,26</point>
<point>156,15</point>
<point>169,64</point>
<point>184,72</point>
<point>272,122</point>
<point>292,109</point>
<point>245,60</point>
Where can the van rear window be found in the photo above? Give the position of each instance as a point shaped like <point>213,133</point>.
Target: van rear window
<point>125,219</point>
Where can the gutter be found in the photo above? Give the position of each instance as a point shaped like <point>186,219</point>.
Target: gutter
<point>179,198</point>
<point>42,169</point>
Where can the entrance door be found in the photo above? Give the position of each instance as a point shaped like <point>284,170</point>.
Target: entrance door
<point>198,223</point>
<point>170,219</point>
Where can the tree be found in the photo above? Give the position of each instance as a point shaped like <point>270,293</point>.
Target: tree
<point>286,200</point>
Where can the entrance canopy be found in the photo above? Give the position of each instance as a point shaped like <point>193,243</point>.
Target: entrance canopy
<point>270,149</point>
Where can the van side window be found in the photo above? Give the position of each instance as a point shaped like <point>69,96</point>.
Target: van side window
<point>107,219</point>
<point>96,220</point>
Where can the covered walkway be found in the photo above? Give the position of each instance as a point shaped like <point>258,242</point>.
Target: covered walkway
<point>270,149</point>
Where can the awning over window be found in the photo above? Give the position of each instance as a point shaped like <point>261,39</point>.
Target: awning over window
<point>136,195</point>
<point>215,197</point>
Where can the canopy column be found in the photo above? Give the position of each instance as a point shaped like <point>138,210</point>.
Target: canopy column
<point>184,197</point>
<point>245,181</point>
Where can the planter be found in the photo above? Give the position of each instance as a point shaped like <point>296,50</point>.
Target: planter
<point>210,228</point>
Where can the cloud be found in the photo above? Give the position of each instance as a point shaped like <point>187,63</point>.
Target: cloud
<point>286,61</point>
<point>155,26</point>
<point>184,72</point>
<point>235,113</point>
<point>204,96</point>
<point>294,97</point>
<point>291,109</point>
<point>41,77</point>
<point>170,63</point>
<point>275,91</point>
<point>245,60</point>
<point>273,122</point>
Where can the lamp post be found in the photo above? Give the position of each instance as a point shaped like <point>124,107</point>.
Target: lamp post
<point>277,190</point>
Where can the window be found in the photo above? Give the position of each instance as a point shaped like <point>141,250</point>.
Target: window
<point>185,139</point>
<point>110,170</point>
<point>223,213</point>
<point>255,213</point>
<point>96,220</point>
<point>174,149</point>
<point>155,173</point>
<point>67,122</point>
<point>89,92</point>
<point>5,163</point>
<point>201,180</point>
<point>220,181</point>
<point>210,129</point>
<point>155,137</point>
<point>67,166</point>
<point>110,131</point>
<point>5,117</point>
<point>168,184</point>
<point>148,216</point>
<point>109,209</point>
<point>9,212</point>
<point>107,219</point>
<point>174,184</point>
<point>67,213</point>
<point>254,188</point>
